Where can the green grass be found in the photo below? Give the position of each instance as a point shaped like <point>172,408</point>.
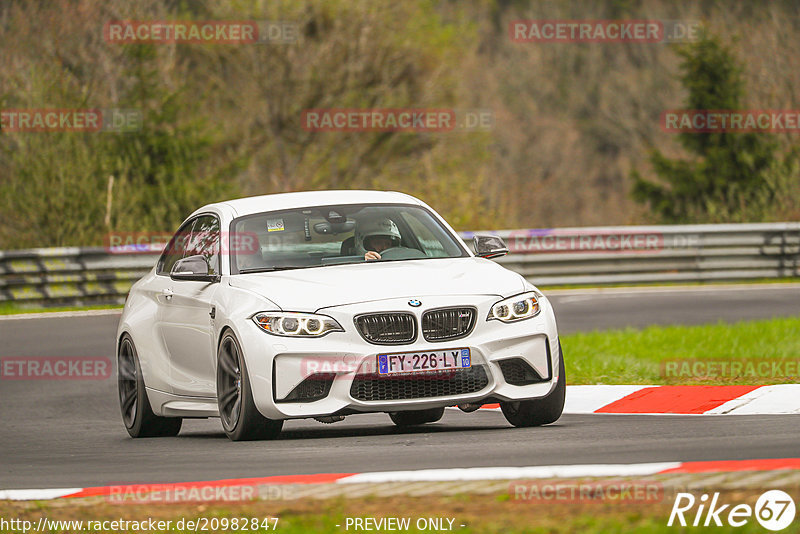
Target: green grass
<point>637,356</point>
<point>12,308</point>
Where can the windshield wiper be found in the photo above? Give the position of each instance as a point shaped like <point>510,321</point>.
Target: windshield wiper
<point>271,269</point>
<point>292,267</point>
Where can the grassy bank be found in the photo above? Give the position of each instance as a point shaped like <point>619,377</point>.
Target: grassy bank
<point>664,354</point>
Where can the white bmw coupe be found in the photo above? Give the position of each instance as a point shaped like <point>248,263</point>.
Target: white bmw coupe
<point>326,304</point>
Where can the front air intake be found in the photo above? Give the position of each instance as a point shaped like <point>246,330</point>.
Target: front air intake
<point>315,387</point>
<point>373,387</point>
<point>393,328</point>
<point>518,372</point>
<point>446,324</point>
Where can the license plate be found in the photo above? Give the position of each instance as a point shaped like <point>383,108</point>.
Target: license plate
<point>416,362</point>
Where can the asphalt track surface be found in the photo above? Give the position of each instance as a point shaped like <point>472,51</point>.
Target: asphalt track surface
<point>69,433</point>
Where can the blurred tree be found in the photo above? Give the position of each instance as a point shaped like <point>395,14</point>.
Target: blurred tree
<point>54,185</point>
<point>164,168</point>
<point>220,121</point>
<point>733,175</point>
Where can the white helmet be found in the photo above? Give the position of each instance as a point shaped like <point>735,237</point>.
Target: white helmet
<point>376,227</point>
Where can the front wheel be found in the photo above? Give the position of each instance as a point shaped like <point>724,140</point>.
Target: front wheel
<point>241,420</point>
<point>138,416</point>
<point>417,417</point>
<point>536,412</point>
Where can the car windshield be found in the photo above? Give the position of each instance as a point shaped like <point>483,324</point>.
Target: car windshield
<point>335,235</point>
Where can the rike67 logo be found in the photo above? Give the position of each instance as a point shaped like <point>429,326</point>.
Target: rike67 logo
<point>774,510</point>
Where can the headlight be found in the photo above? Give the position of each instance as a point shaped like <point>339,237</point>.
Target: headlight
<point>515,308</point>
<point>291,324</point>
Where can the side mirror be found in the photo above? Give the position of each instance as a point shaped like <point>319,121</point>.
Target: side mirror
<point>489,246</point>
<point>192,268</point>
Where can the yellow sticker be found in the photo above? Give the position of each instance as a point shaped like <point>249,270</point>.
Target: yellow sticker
<point>275,225</point>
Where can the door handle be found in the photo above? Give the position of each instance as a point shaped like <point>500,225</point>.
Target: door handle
<point>167,293</point>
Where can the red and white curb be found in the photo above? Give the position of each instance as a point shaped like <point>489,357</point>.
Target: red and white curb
<point>682,400</point>
<point>430,475</point>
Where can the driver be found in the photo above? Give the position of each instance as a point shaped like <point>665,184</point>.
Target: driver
<point>376,236</point>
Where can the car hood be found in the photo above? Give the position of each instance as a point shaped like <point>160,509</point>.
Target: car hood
<point>311,289</point>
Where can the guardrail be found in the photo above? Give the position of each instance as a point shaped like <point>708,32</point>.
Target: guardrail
<point>648,254</point>
<point>70,275</point>
<point>548,257</point>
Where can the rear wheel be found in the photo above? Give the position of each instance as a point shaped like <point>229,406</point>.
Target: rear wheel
<point>536,412</point>
<point>138,416</point>
<point>241,420</point>
<point>417,417</point>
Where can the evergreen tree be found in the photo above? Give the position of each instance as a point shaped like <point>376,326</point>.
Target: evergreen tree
<point>729,170</point>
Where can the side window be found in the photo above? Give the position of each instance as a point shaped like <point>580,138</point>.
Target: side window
<point>204,241</point>
<point>175,249</point>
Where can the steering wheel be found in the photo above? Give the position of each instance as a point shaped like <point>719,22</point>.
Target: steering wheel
<point>402,253</point>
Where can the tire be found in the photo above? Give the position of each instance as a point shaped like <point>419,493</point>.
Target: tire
<point>537,412</point>
<point>137,415</point>
<point>240,418</point>
<point>417,417</point>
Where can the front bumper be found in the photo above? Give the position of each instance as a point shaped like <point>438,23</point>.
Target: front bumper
<point>277,365</point>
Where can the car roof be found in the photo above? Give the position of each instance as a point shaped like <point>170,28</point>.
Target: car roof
<point>283,201</point>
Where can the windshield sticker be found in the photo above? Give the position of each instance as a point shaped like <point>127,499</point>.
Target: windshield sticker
<point>275,225</point>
